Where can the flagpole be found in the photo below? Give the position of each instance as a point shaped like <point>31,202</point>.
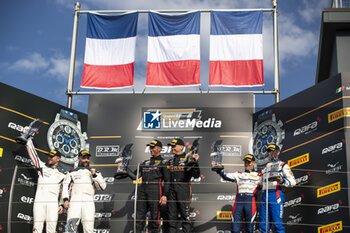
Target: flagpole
<point>276,54</point>
<point>72,55</point>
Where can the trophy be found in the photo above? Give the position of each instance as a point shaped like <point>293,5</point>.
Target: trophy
<point>216,155</point>
<point>124,160</point>
<point>273,172</point>
<point>161,226</point>
<point>29,131</point>
<point>190,161</point>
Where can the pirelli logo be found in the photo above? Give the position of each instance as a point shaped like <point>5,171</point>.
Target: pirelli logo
<point>333,227</point>
<point>332,188</point>
<point>223,215</point>
<point>336,115</point>
<point>299,160</point>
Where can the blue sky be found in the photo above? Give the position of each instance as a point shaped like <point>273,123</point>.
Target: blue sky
<point>35,43</point>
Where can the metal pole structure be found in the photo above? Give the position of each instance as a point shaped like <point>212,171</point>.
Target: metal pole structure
<point>9,211</point>
<point>72,55</point>
<point>276,54</point>
<point>267,202</point>
<point>136,186</point>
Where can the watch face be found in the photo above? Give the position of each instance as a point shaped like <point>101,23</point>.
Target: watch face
<point>65,137</point>
<point>268,132</point>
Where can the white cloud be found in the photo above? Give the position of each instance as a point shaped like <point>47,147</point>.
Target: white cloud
<point>59,67</point>
<point>56,66</point>
<point>294,40</point>
<point>310,10</point>
<point>33,62</point>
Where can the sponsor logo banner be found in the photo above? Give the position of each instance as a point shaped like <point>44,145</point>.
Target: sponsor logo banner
<point>329,209</point>
<point>226,197</point>
<point>230,150</point>
<point>329,189</point>
<point>333,168</point>
<point>28,200</point>
<point>101,230</point>
<point>15,126</point>
<point>25,217</point>
<point>294,219</point>
<point>107,151</point>
<point>24,180</point>
<point>103,215</point>
<point>336,115</point>
<point>303,179</point>
<point>176,120</point>
<point>103,197</point>
<point>223,215</point>
<point>306,129</point>
<point>333,148</point>
<point>109,179</point>
<point>26,161</point>
<point>294,202</point>
<point>298,160</point>
<point>330,228</point>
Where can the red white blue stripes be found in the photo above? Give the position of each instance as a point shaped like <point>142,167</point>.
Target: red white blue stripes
<point>110,51</point>
<point>173,50</point>
<point>236,49</point>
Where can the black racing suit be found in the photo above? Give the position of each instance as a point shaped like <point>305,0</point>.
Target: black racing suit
<point>155,184</point>
<point>179,198</point>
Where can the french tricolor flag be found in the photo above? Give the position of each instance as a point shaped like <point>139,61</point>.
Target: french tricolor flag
<point>236,49</point>
<point>173,50</point>
<point>110,51</point>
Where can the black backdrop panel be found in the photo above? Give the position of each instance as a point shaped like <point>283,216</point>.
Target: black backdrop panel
<point>313,138</point>
<point>116,120</point>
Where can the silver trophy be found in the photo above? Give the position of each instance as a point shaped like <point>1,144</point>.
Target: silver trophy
<point>190,161</point>
<point>124,157</point>
<point>29,131</point>
<point>216,155</point>
<point>274,172</point>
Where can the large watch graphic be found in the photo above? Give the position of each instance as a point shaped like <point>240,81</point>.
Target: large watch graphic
<point>65,136</point>
<point>266,131</point>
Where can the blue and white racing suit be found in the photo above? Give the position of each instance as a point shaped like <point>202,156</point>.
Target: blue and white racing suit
<point>245,205</point>
<point>275,195</point>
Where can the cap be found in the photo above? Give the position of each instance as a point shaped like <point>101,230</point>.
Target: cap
<point>54,153</point>
<point>249,157</point>
<point>155,143</point>
<point>272,147</point>
<point>176,142</point>
<point>84,153</point>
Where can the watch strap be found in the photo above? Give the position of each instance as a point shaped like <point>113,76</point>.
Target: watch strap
<point>266,115</point>
<point>70,116</point>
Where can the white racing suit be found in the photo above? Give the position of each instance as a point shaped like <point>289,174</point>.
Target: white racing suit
<point>275,195</point>
<point>82,206</point>
<point>47,193</point>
